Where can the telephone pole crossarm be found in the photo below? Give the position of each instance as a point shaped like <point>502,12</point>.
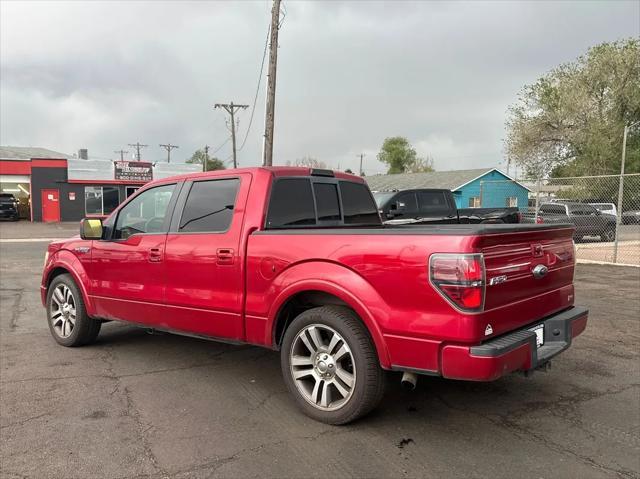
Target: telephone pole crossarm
<point>169,147</point>
<point>231,108</point>
<point>137,145</point>
<point>121,153</point>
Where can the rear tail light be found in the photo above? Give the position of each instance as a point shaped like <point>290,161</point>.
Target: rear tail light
<point>519,217</point>
<point>459,278</point>
<point>539,220</point>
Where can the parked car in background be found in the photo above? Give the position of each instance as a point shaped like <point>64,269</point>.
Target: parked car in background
<point>608,208</point>
<point>586,219</point>
<point>9,207</point>
<point>436,206</point>
<point>631,217</point>
<point>297,260</point>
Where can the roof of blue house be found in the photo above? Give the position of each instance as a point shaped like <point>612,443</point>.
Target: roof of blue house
<point>450,180</point>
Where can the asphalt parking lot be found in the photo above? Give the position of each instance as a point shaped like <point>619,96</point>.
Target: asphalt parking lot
<point>141,405</point>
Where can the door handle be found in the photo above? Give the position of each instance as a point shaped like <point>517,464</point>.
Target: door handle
<point>225,256</point>
<point>155,255</point>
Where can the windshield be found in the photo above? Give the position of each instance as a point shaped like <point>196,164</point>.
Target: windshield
<point>382,198</point>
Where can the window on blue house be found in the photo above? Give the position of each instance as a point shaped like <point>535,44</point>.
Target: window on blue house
<point>474,202</point>
<point>512,202</point>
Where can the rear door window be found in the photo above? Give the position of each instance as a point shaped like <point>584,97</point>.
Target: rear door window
<point>291,204</point>
<point>209,206</point>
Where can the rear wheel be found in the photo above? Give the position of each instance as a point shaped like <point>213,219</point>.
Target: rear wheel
<point>66,314</point>
<point>330,365</point>
<point>608,235</point>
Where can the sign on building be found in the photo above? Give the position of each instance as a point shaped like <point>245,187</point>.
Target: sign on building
<point>133,171</point>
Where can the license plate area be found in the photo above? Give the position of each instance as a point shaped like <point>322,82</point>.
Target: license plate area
<point>539,330</point>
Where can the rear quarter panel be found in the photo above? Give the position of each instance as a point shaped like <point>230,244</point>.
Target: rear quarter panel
<point>384,278</point>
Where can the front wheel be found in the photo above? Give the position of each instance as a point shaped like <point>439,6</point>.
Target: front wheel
<point>330,365</point>
<point>66,314</point>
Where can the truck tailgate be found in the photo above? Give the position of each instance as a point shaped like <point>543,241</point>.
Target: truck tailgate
<point>528,264</point>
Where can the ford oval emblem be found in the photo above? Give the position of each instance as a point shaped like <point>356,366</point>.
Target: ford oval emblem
<point>540,271</point>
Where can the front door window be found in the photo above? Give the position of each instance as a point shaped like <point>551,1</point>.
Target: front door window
<point>146,213</point>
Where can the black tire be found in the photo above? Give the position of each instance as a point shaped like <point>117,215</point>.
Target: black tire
<point>370,378</point>
<point>608,235</point>
<point>85,330</point>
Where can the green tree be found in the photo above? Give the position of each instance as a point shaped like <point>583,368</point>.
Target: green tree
<point>401,157</point>
<point>571,121</point>
<point>199,157</point>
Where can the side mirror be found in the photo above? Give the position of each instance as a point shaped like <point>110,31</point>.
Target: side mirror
<point>91,229</point>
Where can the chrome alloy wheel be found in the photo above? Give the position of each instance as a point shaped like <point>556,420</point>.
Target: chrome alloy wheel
<point>63,311</point>
<point>322,367</point>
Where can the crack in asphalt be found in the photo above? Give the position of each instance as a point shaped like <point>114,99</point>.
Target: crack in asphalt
<point>508,422</point>
<point>120,376</point>
<point>16,310</point>
<point>132,411</point>
<point>26,420</point>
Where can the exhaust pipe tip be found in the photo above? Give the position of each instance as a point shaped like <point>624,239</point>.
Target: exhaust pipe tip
<point>409,380</point>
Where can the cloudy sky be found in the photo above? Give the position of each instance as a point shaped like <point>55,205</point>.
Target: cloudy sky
<point>100,75</point>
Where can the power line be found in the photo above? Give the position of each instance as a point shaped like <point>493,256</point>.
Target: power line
<point>255,98</point>
<point>221,145</point>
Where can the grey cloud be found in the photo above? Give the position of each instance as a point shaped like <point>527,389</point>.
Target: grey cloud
<point>103,74</point>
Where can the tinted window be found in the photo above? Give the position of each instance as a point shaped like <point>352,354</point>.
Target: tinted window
<point>209,206</point>
<point>327,202</point>
<point>291,204</point>
<point>554,209</point>
<point>145,213</point>
<point>434,202</point>
<point>110,199</point>
<point>582,210</point>
<point>407,201</point>
<point>358,207</point>
<point>382,198</point>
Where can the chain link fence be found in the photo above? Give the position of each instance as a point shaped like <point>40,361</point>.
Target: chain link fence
<point>605,211</point>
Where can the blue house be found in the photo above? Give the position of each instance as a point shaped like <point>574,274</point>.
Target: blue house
<point>477,188</point>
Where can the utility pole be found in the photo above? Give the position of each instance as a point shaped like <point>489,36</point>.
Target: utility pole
<point>121,153</point>
<point>361,155</point>
<point>231,108</point>
<point>206,158</point>
<point>169,147</point>
<point>620,193</point>
<point>271,87</point>
<point>137,146</point>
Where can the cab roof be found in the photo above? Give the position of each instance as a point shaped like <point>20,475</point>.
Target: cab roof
<point>277,171</point>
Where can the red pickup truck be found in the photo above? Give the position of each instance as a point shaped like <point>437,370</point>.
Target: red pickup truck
<point>297,260</point>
